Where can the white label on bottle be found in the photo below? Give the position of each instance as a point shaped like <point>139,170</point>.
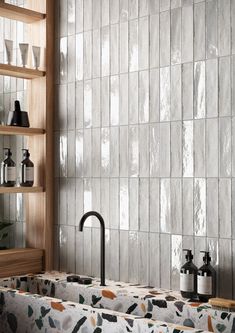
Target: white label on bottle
<point>186,282</point>
<point>28,174</point>
<point>10,174</point>
<point>204,285</point>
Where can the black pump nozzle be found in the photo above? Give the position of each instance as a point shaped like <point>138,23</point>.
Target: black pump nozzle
<point>26,152</point>
<point>17,106</point>
<point>7,151</point>
<point>189,255</point>
<point>206,257</point>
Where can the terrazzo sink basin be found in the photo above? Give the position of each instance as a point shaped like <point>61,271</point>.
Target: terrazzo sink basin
<point>146,302</point>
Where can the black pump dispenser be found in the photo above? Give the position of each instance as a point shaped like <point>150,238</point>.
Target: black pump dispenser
<point>18,117</point>
<point>188,277</point>
<point>8,170</point>
<point>27,170</point>
<point>206,279</point>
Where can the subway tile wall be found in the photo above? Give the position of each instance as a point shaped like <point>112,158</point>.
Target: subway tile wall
<point>145,135</point>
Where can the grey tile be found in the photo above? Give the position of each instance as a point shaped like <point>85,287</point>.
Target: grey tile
<point>165,38</point>
<point>124,204</point>
<point>212,88</point>
<point>176,259</point>
<point>224,30</point>
<point>63,17</point>
<point>164,162</point>
<point>133,257</point>
<point>165,205</point>
<point>211,29</point>
<point>124,99</point>
<point>176,36</point>
<point>133,203</point>
<point>114,51</point>
<point>133,46</point>
<point>114,100</point>
<point>224,86</point>
<point>212,209</point>
<point>144,204</point>
<point>176,108</point>
<point>165,94</point>
<point>123,151</point>
<point>114,11</point>
<point>114,152</point>
<point>143,96</point>
<point>96,53</point>
<point>154,41</point>
<point>105,152</point>
<point>187,34</point>
<point>176,149</point>
<point>154,191</point>
<point>212,148</point>
<point>187,197</point>
<point>124,256</point>
<point>199,148</point>
<point>105,92</point>
<point>188,149</point>
<point>143,52</point>
<point>199,89</point>
<point>225,147</point>
<point>225,188</point>
<point>176,206</point>
<point>187,91</point>
<point>165,241</point>
<point>154,264</point>
<point>143,8</point>
<point>133,98</point>
<point>154,95</point>
<point>164,5</point>
<point>199,31</point>
<point>114,203</point>
<point>133,151</point>
<point>200,222</point>
<point>143,258</point>
<point>123,47</point>
<point>225,268</point>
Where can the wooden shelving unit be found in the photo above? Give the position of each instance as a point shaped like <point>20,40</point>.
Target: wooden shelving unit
<point>26,131</point>
<point>38,254</point>
<point>19,14</point>
<point>18,189</point>
<point>20,72</point>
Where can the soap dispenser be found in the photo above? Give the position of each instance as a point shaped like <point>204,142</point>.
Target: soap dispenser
<point>8,170</point>
<point>27,170</point>
<point>188,277</point>
<point>206,279</point>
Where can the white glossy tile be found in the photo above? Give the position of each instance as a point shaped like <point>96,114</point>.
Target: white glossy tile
<point>114,152</point>
<point>143,96</point>
<point>199,31</point>
<point>124,204</point>
<point>114,11</point>
<point>62,107</point>
<point>188,149</point>
<point>95,193</point>
<point>143,258</point>
<point>176,149</point>
<point>176,206</point>
<point>105,97</point>
<point>199,89</point>
<point>87,55</point>
<point>165,38</point>
<point>124,256</point>
<point>96,101</point>
<point>154,95</point>
<point>79,105</point>
<point>96,152</point>
<point>104,200</point>
<point>87,103</point>
<point>105,51</point>
<point>124,10</point>
<point>153,6</point>
<point>133,46</point>
<point>133,98</point>
<point>154,133</point>
<point>212,148</point>
<point>124,99</point>
<point>144,151</point>
<point>144,204</point>
<point>79,153</point>
<point>187,91</point>
<point>95,252</point>
<point>224,30</point>
<point>200,222</point>
<point>143,52</point>
<point>165,205</point>
<point>63,201</point>
<point>71,167</point>
<point>211,29</point>
<point>63,154</point>
<point>87,253</point>
<point>199,245</point>
<point>79,196</point>
<point>225,268</point>
<point>164,5</point>
<point>123,151</point>
<point>199,148</point>
<point>79,15</point>
<point>133,8</point>
<point>71,214</point>
<point>114,203</point>
<point>233,83</point>
<point>114,100</point>
<point>176,260</point>
<point>87,13</point>
<point>176,36</point>
<point>187,34</point>
<point>187,197</point>
<point>104,12</point>
<point>154,41</point>
<point>114,49</point>
<point>133,203</point>
<point>96,14</point>
<point>212,209</point>
<point>165,270</point>
<point>96,53</point>
<point>224,86</point>
<point>133,257</point>
<point>123,47</point>
<point>154,264</point>
<point>176,107</point>
<point>71,106</point>
<point>225,188</point>
<point>212,88</point>
<point>164,150</point>
<point>154,196</point>
<point>79,57</point>
<point>105,152</point>
<point>165,94</point>
<point>233,25</point>
<point>225,147</point>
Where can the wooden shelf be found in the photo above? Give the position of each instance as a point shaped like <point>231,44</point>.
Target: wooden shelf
<point>19,14</point>
<point>20,261</point>
<point>18,189</point>
<point>15,130</point>
<point>20,72</point>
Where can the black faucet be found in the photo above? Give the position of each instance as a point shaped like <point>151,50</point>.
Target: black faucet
<point>102,241</point>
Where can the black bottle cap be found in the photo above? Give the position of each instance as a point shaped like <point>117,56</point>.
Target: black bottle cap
<point>17,106</point>
<point>7,152</point>
<point>26,153</point>
<point>207,257</point>
<point>189,255</point>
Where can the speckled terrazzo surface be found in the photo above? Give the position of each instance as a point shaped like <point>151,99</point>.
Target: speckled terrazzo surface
<point>142,301</point>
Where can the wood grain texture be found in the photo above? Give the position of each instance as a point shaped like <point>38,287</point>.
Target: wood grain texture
<point>20,261</point>
<point>19,14</point>
<point>26,131</point>
<point>18,189</point>
<point>222,302</point>
<point>20,72</point>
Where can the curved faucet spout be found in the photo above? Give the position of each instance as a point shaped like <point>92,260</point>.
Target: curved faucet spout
<point>102,241</point>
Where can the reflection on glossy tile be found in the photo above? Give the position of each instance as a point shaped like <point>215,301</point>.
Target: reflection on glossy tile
<point>165,202</point>
<point>187,91</point>
<point>79,154</point>
<point>133,257</point>
<point>176,108</point>
<point>154,40</point>
<point>123,151</point>
<point>133,203</point>
<point>199,90</point>
<point>144,204</point>
<point>114,100</point>
<point>124,256</point>
<point>176,259</point>
<point>87,59</point>
<point>63,60</point>
<point>199,148</point>
<point>105,152</point>
<point>79,200</point>
<point>71,185</point>
<point>133,151</point>
<point>154,95</point>
<point>165,38</point>
<point>96,53</point>
<point>96,152</point>
<point>71,154</point>
<point>164,93</point>
<point>87,204</point>
<point>199,207</point>
<point>123,45</point>
<point>96,107</point>
<point>63,154</point>
<point>124,204</point>
<point>144,97</point>
<point>114,52</point>
<point>105,101</point>
<point>199,31</point>
<point>164,150</point>
<point>176,149</point>
<point>124,99</point>
<point>187,204</point>
<point>133,98</point>
<point>105,51</point>
<point>114,203</point>
<point>176,36</point>
<point>79,57</point>
<point>87,103</point>
<point>212,208</point>
<point>114,152</point>
<point>187,34</point>
<point>154,150</point>
<point>224,30</point>
<point>143,53</point>
<point>211,29</point>
<point>79,15</point>
<point>79,105</point>
<point>133,46</point>
<point>154,255</point>
<point>144,151</point>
